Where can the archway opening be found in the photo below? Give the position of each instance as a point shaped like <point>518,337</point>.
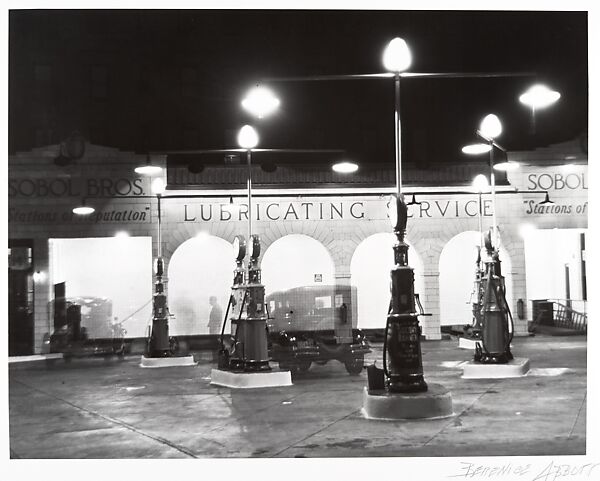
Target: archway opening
<point>296,260</point>
<point>200,268</point>
<point>110,278</point>
<point>370,273</point>
<point>457,278</point>
<point>555,266</point>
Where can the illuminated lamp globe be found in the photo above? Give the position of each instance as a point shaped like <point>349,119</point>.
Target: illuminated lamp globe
<point>248,137</point>
<point>491,127</point>
<point>260,102</point>
<point>480,183</point>
<point>396,56</point>
<point>83,210</point>
<point>148,168</point>
<point>506,166</point>
<point>539,96</point>
<point>344,167</point>
<point>158,186</point>
<point>476,149</point>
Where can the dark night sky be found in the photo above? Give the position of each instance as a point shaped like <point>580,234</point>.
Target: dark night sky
<point>231,50</point>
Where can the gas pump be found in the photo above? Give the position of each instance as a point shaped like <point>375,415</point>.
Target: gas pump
<point>402,341</point>
<point>249,348</point>
<point>159,343</point>
<point>496,336</point>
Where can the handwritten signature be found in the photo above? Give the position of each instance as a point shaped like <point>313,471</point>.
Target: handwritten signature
<point>551,472</point>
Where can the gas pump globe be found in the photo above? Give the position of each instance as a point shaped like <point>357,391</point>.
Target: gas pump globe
<point>402,361</point>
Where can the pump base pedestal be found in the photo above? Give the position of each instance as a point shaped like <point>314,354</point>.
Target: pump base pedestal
<point>167,361</point>
<point>436,402</point>
<point>249,380</point>
<point>517,367</point>
<point>467,343</point>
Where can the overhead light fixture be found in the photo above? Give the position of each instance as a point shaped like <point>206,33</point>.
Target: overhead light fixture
<point>507,166</point>
<point>260,102</point>
<point>546,200</point>
<point>148,168</point>
<point>158,186</point>
<point>491,127</point>
<point>396,56</point>
<point>345,167</point>
<point>247,137</point>
<point>481,184</point>
<point>83,209</point>
<point>476,149</point>
<point>413,201</point>
<point>39,276</point>
<point>539,96</point>
<point>122,234</point>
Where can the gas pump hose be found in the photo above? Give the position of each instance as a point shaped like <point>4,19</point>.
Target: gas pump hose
<point>240,318</point>
<point>225,321</point>
<point>385,336</point>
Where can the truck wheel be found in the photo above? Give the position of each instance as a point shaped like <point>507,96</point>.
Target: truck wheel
<point>354,366</point>
<point>304,366</point>
<point>293,368</point>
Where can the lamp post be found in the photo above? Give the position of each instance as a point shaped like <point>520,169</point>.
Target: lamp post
<point>402,363</point>
<point>249,351</point>
<point>250,347</point>
<point>247,140</point>
<point>494,311</point>
<point>159,343</point>
<point>490,128</point>
<point>480,184</point>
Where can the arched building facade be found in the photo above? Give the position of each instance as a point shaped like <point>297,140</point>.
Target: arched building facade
<point>318,235</point>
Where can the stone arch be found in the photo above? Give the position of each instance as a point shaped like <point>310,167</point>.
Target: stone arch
<point>370,265</point>
<point>457,263</point>
<point>175,234</point>
<point>201,266</point>
<point>293,261</point>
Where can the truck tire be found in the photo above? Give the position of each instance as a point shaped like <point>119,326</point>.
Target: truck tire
<point>355,366</point>
<point>304,366</point>
<point>293,368</point>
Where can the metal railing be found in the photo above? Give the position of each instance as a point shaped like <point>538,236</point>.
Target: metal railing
<point>567,317</point>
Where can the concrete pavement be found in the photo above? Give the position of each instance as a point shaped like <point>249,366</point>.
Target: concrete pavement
<point>96,408</point>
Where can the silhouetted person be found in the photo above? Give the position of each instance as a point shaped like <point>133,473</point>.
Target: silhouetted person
<point>215,318</point>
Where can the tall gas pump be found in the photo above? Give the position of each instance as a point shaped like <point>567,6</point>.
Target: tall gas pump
<point>402,361</point>
<point>161,349</point>
<point>496,336</point>
<point>158,343</point>
<point>249,350</point>
<point>245,362</point>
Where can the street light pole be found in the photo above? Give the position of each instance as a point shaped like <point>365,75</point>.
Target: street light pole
<point>249,162</point>
<point>402,363</point>
<point>159,343</point>
<point>397,137</point>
